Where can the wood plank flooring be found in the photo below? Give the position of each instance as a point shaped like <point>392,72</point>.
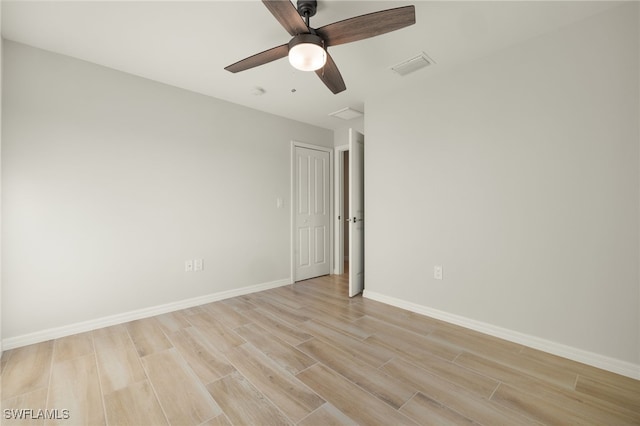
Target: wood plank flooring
<point>304,354</point>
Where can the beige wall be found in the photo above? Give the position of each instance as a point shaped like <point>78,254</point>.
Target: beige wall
<point>520,174</point>
<point>111,181</point>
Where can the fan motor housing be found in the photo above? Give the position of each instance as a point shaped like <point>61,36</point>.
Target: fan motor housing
<point>307,8</point>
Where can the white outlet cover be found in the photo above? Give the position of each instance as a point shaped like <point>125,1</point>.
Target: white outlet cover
<point>437,272</point>
<point>188,265</point>
<point>198,264</point>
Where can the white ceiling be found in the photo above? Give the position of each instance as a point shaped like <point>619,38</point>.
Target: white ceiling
<point>187,44</point>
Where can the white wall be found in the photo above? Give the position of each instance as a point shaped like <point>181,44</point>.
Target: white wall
<point>112,181</point>
<point>341,133</point>
<point>520,174</point>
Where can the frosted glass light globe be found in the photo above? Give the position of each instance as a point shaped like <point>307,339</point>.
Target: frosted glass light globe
<point>306,52</point>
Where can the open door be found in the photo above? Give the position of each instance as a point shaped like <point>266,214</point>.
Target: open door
<point>356,211</point>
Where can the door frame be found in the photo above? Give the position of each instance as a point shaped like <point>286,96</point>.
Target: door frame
<point>294,199</point>
<point>356,245</point>
<point>340,207</point>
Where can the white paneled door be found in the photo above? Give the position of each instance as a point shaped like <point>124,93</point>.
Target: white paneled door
<point>356,212</point>
<point>312,213</point>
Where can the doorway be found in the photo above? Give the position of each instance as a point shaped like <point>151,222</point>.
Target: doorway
<point>349,249</point>
<point>345,214</point>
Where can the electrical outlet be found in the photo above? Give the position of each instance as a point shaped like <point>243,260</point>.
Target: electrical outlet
<point>188,265</point>
<point>437,272</point>
<point>198,264</point>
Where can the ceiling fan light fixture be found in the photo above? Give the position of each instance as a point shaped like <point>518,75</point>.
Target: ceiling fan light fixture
<point>306,52</point>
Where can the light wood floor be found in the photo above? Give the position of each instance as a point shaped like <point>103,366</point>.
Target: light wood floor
<point>306,354</point>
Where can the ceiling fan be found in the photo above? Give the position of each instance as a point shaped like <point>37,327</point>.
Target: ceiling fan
<point>307,50</point>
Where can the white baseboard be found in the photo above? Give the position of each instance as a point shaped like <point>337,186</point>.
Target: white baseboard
<point>590,358</point>
<point>81,327</point>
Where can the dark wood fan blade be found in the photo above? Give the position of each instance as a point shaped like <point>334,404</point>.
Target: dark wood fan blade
<point>287,14</point>
<point>366,26</point>
<point>331,77</point>
<point>259,59</point>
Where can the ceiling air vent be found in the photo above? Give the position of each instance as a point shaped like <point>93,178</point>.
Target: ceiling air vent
<point>346,113</point>
<point>413,64</point>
